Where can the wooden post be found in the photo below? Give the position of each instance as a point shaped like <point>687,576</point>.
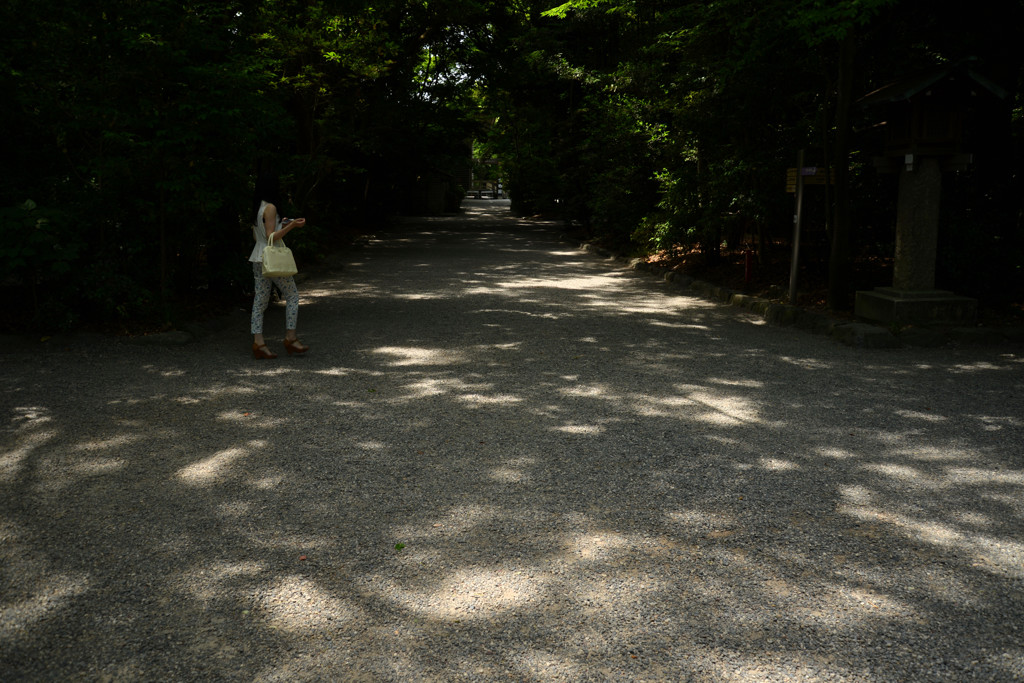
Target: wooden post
<point>796,226</point>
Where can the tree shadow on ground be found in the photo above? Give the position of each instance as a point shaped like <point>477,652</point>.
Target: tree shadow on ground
<point>512,462</point>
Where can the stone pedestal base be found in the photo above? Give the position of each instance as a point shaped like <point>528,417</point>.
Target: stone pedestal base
<point>889,305</point>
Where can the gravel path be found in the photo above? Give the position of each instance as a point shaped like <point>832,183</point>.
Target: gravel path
<point>505,459</point>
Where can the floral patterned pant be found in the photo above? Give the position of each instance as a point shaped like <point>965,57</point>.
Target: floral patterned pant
<point>262,298</point>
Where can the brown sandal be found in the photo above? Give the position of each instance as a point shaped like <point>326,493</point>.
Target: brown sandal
<point>295,346</point>
<point>260,351</point>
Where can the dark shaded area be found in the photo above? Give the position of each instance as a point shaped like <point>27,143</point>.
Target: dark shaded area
<point>590,480</point>
<point>651,127</point>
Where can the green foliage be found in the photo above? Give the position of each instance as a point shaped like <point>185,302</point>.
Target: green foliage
<point>817,22</point>
<point>671,125</point>
<point>113,298</point>
<point>564,9</point>
<point>38,244</point>
<point>38,255</point>
<point>653,125</point>
<point>145,120</point>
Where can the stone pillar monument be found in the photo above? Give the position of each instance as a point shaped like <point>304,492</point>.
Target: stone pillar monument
<point>913,299</point>
<point>927,119</point>
<point>917,226</point>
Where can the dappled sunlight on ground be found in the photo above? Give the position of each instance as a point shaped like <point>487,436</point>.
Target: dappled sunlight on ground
<point>471,594</point>
<point>12,459</point>
<point>300,606</point>
<point>216,467</point>
<point>419,356</point>
<point>1003,557</point>
<point>554,473</point>
<point>55,594</point>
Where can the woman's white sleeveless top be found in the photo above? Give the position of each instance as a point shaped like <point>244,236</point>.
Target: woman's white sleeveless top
<point>259,233</point>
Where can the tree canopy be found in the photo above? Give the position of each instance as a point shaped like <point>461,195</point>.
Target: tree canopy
<point>135,128</point>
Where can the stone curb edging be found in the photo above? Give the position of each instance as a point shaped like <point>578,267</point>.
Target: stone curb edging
<point>782,315</point>
<point>850,333</point>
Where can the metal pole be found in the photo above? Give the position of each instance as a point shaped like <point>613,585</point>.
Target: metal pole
<point>796,225</point>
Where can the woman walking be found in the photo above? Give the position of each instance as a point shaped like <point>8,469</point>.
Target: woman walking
<point>265,203</point>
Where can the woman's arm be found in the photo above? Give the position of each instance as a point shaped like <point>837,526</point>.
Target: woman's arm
<point>270,220</point>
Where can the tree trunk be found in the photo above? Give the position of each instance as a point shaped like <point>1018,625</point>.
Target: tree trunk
<point>162,227</point>
<point>710,230</point>
<point>839,268</point>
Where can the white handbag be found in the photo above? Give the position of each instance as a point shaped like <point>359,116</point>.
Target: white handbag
<point>278,261</point>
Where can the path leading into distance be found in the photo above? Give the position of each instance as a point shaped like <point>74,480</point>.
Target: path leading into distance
<point>506,459</point>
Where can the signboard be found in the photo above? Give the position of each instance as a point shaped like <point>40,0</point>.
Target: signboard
<point>812,175</point>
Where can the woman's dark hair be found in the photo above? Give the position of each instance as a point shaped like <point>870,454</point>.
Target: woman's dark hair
<point>268,189</point>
